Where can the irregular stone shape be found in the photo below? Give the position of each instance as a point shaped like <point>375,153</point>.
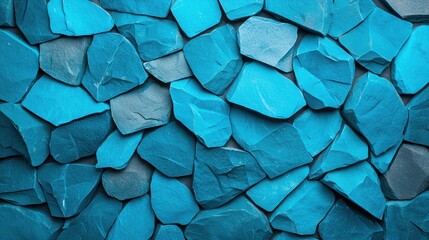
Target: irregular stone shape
<point>367,42</point>
<point>324,72</point>
<point>359,183</point>
<point>121,19</point>
<point>136,221</point>
<point>188,15</point>
<point>80,138</point>
<point>68,188</point>
<point>76,18</point>
<point>239,219</point>
<point>347,14</point>
<point>7,14</point>
<point>27,223</point>
<point>303,209</point>
<point>315,16</point>
<point>26,134</point>
<point>266,91</point>
<point>318,128</point>
<point>170,149</point>
<point>18,182</point>
<point>94,221</point>
<point>242,8</point>
<point>417,129</point>
<point>348,148</point>
<point>375,110</point>
<point>409,72</point>
<point>382,162</point>
<point>131,182</point>
<point>19,63</point>
<point>168,232</point>
<point>155,8</point>
<point>408,174</point>
<point>345,222</point>
<point>144,107</point>
<point>414,11</point>
<point>169,68</point>
<point>268,193</point>
<point>59,103</point>
<point>214,58</point>
<point>203,113</point>
<point>276,145</point>
<point>221,174</point>
<point>172,201</point>
<point>268,41</point>
<point>291,236</point>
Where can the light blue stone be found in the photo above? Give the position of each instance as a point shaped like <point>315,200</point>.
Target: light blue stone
<point>324,72</point>
<point>276,145</point>
<point>417,130</point>
<point>382,162</point>
<point>203,113</point>
<point>263,89</point>
<point>155,8</point>
<point>214,58</point>
<point>375,110</point>
<point>7,14</point>
<point>269,193</point>
<point>188,15</point>
<point>121,19</point>
<point>291,236</point>
<point>168,232</point>
<point>236,9</point>
<point>169,68</point>
<point>367,42</point>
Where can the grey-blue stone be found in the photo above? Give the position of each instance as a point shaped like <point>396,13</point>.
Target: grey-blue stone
<point>291,236</point>
<point>169,68</point>
<point>168,232</point>
<point>236,9</point>
<point>382,162</point>
<point>155,8</point>
<point>7,14</point>
<point>411,10</point>
<point>417,130</point>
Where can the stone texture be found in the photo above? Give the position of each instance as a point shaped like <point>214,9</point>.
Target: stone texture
<point>382,162</point>
<point>236,9</point>
<point>414,11</point>
<point>169,68</point>
<point>168,232</point>
<point>155,8</point>
<point>7,14</point>
<point>417,130</point>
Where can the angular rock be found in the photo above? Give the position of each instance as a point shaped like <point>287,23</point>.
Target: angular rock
<point>68,188</point>
<point>367,42</point>
<point>169,68</point>
<point>303,209</point>
<point>324,72</point>
<point>121,19</point>
<point>170,149</point>
<point>417,129</point>
<point>221,174</point>
<point>144,107</point>
<point>291,236</point>
<point>203,113</point>
<point>188,15</point>
<point>375,110</point>
<point>168,232</point>
<point>59,103</point>
<point>155,8</point>
<point>264,90</point>
<point>77,18</point>
<point>239,219</point>
<point>382,162</point>
<point>80,138</point>
<point>240,9</point>
<point>214,58</point>
<point>318,128</point>
<point>19,63</point>
<point>269,193</point>
<point>7,14</point>
<point>276,145</point>
<point>359,183</point>
<point>414,11</point>
<point>268,41</point>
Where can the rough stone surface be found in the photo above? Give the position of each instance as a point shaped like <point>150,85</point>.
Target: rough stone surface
<point>168,232</point>
<point>155,8</point>
<point>382,162</point>
<point>169,68</point>
<point>411,10</point>
<point>7,14</point>
<point>236,9</point>
<point>417,130</point>
<point>291,236</point>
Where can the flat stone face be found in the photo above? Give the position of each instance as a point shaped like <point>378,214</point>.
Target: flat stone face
<point>167,232</point>
<point>236,9</point>
<point>382,162</point>
<point>7,14</point>
<point>169,68</point>
<point>291,236</point>
<point>155,8</point>
<point>414,11</point>
<point>417,130</point>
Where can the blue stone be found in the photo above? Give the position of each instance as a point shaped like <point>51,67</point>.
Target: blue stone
<point>375,110</point>
<point>203,113</point>
<point>324,72</point>
<point>367,42</point>
<point>236,9</point>
<point>170,149</point>
<point>168,232</point>
<point>221,174</point>
<point>411,10</point>
<point>169,68</point>
<point>19,64</point>
<point>155,8</point>
<point>214,58</point>
<point>7,14</point>
<point>417,130</point>
<point>263,89</point>
<point>303,209</point>
<point>291,236</point>
<point>382,162</point>
<point>276,145</point>
<point>59,103</point>
<point>121,19</point>
<point>269,193</point>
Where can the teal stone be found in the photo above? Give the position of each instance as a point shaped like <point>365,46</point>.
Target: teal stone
<point>172,201</point>
<point>359,183</point>
<point>382,162</point>
<point>239,219</point>
<point>188,15</point>
<point>170,149</point>
<point>168,232</point>
<point>7,14</point>
<point>376,111</point>
<point>59,103</point>
<point>169,68</point>
<point>68,188</point>
<point>203,113</point>
<point>263,89</point>
<point>291,236</point>
<point>214,58</point>
<point>303,209</point>
<point>417,129</point>
<point>268,41</point>
<point>367,42</point>
<point>155,8</point>
<point>242,8</point>
<point>221,174</point>
<point>324,72</point>
<point>78,18</point>
<point>269,193</point>
<point>121,19</point>
<point>276,145</point>
<point>19,64</point>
